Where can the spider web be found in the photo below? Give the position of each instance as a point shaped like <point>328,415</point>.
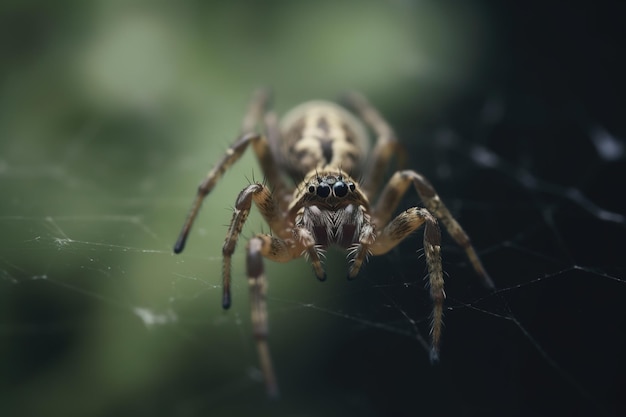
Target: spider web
<point>98,316</point>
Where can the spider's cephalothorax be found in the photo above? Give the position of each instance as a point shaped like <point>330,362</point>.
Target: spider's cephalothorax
<point>327,147</point>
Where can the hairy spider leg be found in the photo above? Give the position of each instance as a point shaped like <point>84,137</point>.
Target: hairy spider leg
<point>290,244</point>
<point>268,208</point>
<point>392,194</point>
<point>278,250</point>
<point>259,246</point>
<point>398,230</point>
<point>387,144</point>
<point>254,115</point>
<point>408,221</point>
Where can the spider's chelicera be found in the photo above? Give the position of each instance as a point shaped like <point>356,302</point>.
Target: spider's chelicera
<point>326,146</point>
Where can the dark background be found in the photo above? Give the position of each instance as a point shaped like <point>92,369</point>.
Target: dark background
<point>110,114</point>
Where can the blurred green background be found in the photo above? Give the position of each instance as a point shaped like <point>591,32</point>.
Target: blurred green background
<point>111,113</point>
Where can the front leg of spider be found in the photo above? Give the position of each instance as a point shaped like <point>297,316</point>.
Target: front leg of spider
<point>260,246</point>
<point>398,186</point>
<point>399,229</point>
<point>258,309</point>
<point>278,250</point>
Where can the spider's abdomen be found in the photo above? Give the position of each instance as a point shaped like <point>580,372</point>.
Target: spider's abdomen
<point>320,134</point>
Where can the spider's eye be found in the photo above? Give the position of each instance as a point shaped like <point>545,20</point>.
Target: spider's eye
<point>340,189</point>
<point>352,186</point>
<point>311,188</point>
<point>323,190</point>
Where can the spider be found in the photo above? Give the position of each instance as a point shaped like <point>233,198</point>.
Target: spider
<point>327,147</point>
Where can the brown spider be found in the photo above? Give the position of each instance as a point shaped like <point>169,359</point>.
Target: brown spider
<point>326,145</point>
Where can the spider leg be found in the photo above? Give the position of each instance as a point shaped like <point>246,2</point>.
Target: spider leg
<point>262,245</point>
<point>261,148</point>
<point>281,190</point>
<point>392,194</point>
<point>279,250</point>
<point>394,233</point>
<point>266,204</point>
<point>387,145</point>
